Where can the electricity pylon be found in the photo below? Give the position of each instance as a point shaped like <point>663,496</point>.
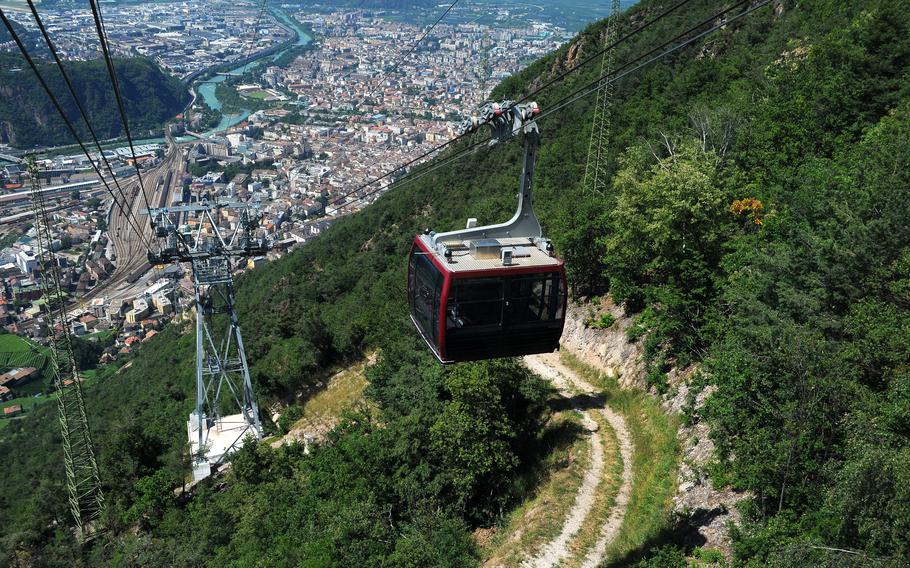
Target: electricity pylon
<point>485,69</point>
<point>595,180</point>
<point>226,412</point>
<point>83,482</point>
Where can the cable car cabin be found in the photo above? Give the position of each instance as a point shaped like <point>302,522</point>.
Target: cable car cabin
<point>497,290</point>
<point>486,298</point>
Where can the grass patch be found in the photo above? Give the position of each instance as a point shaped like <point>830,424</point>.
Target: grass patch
<point>102,336</point>
<point>655,461</point>
<point>13,343</point>
<point>98,374</point>
<point>321,411</point>
<point>27,403</point>
<point>601,321</point>
<point>540,517</point>
<point>15,352</point>
<point>258,95</point>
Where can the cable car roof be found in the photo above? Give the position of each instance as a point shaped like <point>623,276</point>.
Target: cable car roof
<point>486,254</point>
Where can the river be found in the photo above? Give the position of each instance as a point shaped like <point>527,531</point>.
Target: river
<point>206,90</point>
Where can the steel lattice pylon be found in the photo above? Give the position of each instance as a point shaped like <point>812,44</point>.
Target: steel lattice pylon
<point>83,481</point>
<point>595,180</point>
<point>226,412</point>
<point>485,70</point>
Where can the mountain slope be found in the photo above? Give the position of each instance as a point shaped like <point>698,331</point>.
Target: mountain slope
<point>28,118</point>
<point>753,225</point>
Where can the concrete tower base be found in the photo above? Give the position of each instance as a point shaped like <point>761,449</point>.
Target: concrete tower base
<point>220,437</point>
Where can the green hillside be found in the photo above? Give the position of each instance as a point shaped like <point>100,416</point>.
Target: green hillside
<point>754,224</point>
<point>28,118</point>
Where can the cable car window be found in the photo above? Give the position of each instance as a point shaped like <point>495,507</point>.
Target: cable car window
<point>560,295</point>
<point>412,268</point>
<point>426,284</point>
<point>475,302</point>
<point>535,298</point>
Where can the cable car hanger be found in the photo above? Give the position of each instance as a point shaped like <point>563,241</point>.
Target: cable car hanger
<point>505,120</point>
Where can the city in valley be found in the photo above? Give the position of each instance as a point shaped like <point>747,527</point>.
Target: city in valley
<point>294,111</point>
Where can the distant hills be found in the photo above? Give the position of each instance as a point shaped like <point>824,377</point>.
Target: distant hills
<point>28,118</point>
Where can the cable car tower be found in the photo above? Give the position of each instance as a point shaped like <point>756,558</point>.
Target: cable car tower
<point>226,412</point>
<point>595,180</point>
<point>83,482</point>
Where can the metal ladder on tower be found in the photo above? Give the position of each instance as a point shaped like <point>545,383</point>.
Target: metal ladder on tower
<point>595,180</point>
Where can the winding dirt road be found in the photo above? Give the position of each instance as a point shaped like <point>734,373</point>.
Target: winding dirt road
<point>559,549</point>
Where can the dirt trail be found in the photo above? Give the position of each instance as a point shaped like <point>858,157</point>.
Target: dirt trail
<point>556,551</point>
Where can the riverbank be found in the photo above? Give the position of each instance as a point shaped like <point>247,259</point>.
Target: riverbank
<point>207,83</point>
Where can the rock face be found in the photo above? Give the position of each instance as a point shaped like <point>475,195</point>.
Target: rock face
<point>607,349</point>
<point>708,510</point>
<point>704,512</point>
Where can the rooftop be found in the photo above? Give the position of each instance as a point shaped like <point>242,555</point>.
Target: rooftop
<point>485,254</point>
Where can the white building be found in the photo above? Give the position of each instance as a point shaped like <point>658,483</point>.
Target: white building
<point>26,261</point>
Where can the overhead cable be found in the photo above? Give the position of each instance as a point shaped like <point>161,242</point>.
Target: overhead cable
<point>249,49</point>
<point>109,62</point>
<point>59,108</point>
<point>72,91</point>
<point>600,52</point>
<point>562,76</point>
<point>573,97</point>
<point>414,45</point>
<point>389,70</point>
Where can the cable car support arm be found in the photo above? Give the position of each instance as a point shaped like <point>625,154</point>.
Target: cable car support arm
<point>506,120</point>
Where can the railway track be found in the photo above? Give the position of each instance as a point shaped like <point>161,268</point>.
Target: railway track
<point>130,249</point>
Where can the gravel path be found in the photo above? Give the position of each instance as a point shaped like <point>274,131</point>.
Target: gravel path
<point>556,551</point>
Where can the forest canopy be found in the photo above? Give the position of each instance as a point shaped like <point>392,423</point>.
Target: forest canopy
<point>28,118</point>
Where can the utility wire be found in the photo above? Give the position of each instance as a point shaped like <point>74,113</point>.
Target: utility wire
<point>255,30</point>
<point>593,56</point>
<point>549,83</point>
<point>573,97</point>
<point>382,78</point>
<point>398,168</point>
<point>414,45</point>
<point>109,61</point>
<point>594,85</point>
<point>59,108</point>
<point>461,154</point>
<point>72,91</point>
<point>445,161</point>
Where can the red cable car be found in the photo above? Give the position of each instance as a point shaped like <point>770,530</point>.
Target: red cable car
<point>493,291</point>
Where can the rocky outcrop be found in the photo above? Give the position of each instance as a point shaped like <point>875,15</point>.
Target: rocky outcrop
<point>607,349</point>
<point>707,511</point>
<point>704,512</point>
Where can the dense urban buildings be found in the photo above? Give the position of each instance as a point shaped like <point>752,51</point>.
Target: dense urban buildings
<point>331,101</point>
